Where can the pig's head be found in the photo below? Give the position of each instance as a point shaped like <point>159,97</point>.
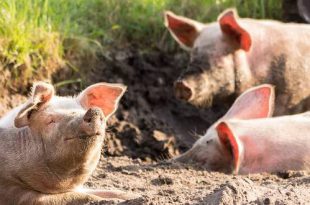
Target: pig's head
<point>215,51</point>
<point>70,134</point>
<point>219,149</point>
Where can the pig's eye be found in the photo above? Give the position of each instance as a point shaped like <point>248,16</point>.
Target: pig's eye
<point>51,121</point>
<point>30,113</point>
<point>208,141</point>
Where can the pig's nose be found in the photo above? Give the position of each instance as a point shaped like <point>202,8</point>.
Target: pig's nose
<point>93,114</point>
<point>182,90</point>
<point>93,122</point>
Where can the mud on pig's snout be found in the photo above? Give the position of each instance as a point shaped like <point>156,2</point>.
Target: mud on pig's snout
<point>93,122</point>
<point>182,90</point>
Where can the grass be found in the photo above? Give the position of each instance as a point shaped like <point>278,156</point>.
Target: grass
<point>36,36</point>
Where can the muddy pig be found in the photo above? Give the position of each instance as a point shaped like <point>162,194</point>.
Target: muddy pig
<point>245,140</point>
<point>231,55</point>
<point>51,151</point>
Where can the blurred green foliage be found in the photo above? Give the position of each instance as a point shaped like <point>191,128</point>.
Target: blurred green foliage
<point>33,32</point>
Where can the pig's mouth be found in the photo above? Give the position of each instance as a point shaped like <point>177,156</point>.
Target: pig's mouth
<point>201,101</point>
<point>84,136</point>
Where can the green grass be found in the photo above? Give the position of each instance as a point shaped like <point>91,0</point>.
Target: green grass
<point>36,36</point>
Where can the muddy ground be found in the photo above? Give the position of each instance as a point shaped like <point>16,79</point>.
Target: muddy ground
<point>151,126</point>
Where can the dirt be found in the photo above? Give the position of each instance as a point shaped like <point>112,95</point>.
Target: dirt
<point>151,126</point>
<point>150,123</point>
<point>164,183</point>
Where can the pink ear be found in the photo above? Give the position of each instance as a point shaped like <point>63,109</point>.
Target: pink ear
<point>230,27</point>
<point>230,143</point>
<point>256,102</point>
<point>42,92</point>
<point>41,95</point>
<point>184,30</point>
<point>103,95</point>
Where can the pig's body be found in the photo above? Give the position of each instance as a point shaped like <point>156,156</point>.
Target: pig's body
<point>27,172</point>
<point>234,54</point>
<point>280,56</point>
<point>274,144</point>
<point>245,140</point>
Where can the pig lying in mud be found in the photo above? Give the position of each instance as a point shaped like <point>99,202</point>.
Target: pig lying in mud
<point>245,140</point>
<point>55,146</point>
<point>233,54</point>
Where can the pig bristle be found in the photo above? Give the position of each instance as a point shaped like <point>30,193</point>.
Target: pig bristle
<point>203,103</point>
<point>194,134</point>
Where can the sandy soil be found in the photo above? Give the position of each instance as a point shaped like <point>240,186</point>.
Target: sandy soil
<point>178,184</point>
<point>151,126</point>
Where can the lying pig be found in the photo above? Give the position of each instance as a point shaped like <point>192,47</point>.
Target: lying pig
<point>245,140</point>
<point>51,151</point>
<point>233,54</point>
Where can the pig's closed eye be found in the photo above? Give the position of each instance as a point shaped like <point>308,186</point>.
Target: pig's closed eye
<point>51,121</point>
<point>30,113</point>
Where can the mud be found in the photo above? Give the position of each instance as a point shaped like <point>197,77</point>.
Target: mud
<point>151,125</point>
<point>178,184</point>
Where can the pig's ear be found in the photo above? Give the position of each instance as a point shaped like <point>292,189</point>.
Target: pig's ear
<point>256,102</point>
<point>41,95</point>
<point>183,30</point>
<point>103,95</point>
<point>230,26</point>
<point>231,144</point>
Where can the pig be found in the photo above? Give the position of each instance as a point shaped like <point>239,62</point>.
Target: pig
<point>234,54</point>
<point>247,140</point>
<point>51,151</point>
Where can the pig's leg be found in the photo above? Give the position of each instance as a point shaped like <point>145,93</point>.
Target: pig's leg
<point>12,194</point>
<point>21,196</point>
<point>112,194</point>
<point>68,198</point>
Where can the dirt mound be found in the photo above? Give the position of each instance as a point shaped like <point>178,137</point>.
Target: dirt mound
<point>150,123</point>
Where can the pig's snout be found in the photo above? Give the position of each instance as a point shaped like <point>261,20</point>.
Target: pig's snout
<point>93,122</point>
<point>182,90</point>
<point>93,115</point>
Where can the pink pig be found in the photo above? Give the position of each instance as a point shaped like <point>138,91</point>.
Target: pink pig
<point>245,140</point>
<point>55,145</point>
<point>234,54</point>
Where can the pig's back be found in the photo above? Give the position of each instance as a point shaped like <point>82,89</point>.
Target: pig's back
<point>280,55</point>
<point>275,144</point>
<point>288,27</point>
